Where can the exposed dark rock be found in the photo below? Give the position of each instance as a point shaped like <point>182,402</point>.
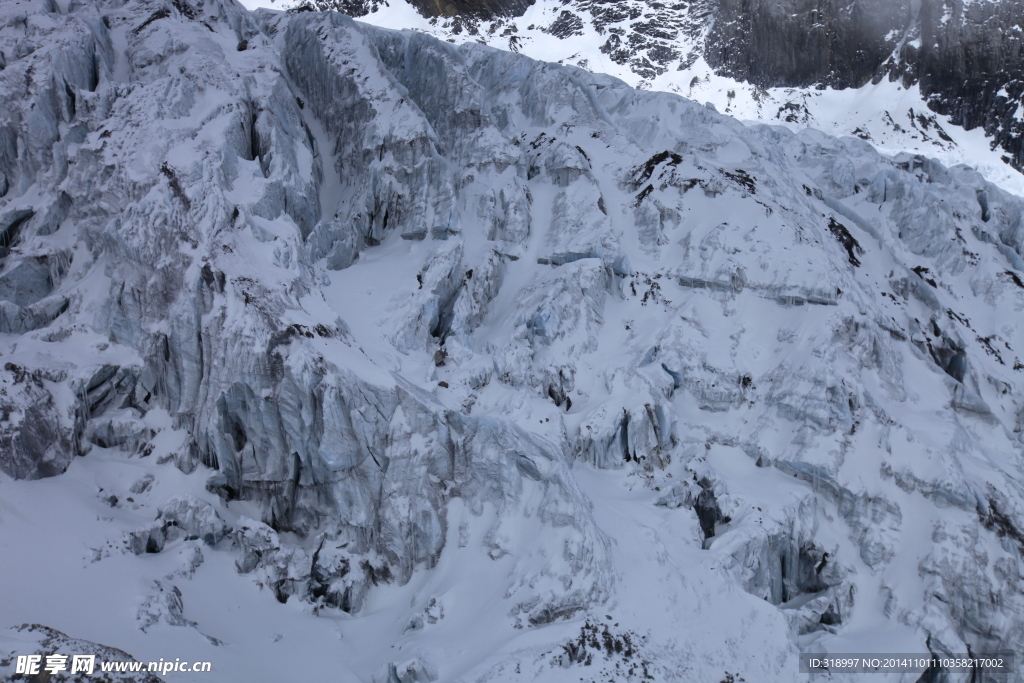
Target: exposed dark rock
<point>567,24</point>
<point>1000,523</point>
<point>798,43</point>
<point>841,233</point>
<point>35,639</point>
<point>706,507</point>
<point>963,55</point>
<point>477,9</point>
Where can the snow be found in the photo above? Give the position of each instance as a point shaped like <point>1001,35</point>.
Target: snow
<point>587,360</point>
<point>860,112</point>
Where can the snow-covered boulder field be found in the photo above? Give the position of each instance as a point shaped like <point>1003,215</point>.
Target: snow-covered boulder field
<point>391,360</point>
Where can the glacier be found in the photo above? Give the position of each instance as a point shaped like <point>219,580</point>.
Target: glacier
<point>349,349</point>
<point>939,78</point>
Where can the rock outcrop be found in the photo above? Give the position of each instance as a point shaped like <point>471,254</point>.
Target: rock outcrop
<point>966,56</point>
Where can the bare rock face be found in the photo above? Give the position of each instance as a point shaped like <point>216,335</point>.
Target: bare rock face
<point>470,9</point>
<point>800,43</point>
<point>483,9</point>
<point>966,56</point>
<point>971,67</point>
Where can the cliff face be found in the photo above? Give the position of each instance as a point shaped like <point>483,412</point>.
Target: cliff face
<point>464,9</point>
<point>481,9</point>
<point>801,43</point>
<point>971,66</point>
<point>968,57</point>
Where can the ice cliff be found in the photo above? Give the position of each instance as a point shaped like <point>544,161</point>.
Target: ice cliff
<point>395,302</point>
<point>942,78</point>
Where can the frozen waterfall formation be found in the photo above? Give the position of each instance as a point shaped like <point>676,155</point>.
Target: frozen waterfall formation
<point>391,292</point>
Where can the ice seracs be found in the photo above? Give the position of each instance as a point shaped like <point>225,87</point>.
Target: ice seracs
<point>391,327</point>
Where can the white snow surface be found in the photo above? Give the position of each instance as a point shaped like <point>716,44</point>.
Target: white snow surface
<point>398,360</point>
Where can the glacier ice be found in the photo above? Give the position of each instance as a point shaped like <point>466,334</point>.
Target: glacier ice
<point>390,298</point>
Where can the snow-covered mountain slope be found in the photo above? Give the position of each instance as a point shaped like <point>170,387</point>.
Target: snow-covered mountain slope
<point>391,359</point>
<point>943,79</point>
